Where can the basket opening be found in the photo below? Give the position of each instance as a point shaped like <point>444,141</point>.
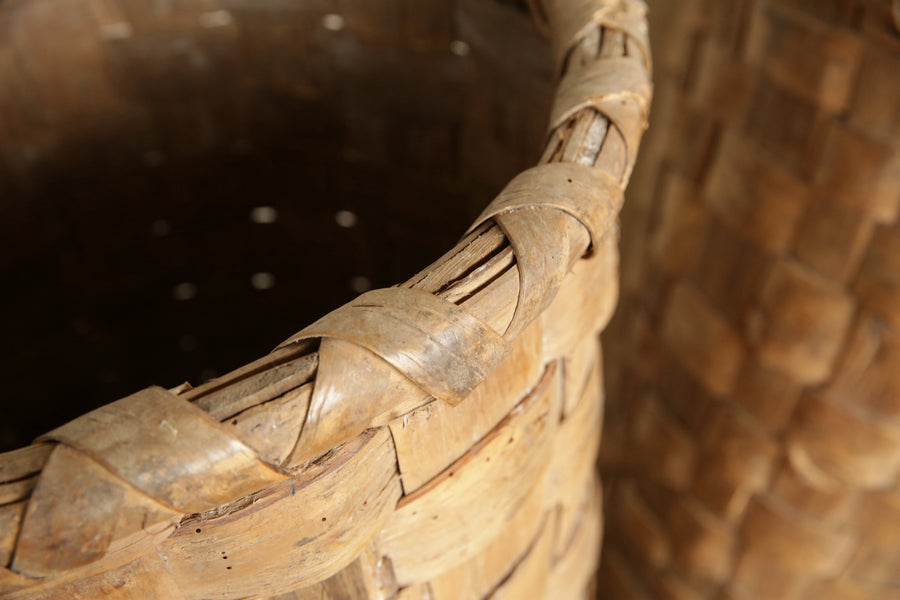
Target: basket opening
<point>185,184</point>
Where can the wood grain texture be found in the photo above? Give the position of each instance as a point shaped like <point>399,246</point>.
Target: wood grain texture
<point>440,525</point>
<point>430,438</point>
<point>387,450</point>
<point>334,511</point>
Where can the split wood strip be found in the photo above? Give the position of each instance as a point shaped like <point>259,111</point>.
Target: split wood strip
<point>753,450</point>
<point>485,363</point>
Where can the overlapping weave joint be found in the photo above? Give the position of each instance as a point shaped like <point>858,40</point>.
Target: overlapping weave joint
<point>555,192</point>
<point>181,459</point>
<point>581,17</point>
<point>434,343</point>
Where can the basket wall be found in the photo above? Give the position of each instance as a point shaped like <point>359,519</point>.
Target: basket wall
<point>435,439</point>
<point>754,447</point>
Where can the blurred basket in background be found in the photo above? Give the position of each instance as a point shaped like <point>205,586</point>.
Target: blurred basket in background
<point>753,448</point>
<point>170,168</point>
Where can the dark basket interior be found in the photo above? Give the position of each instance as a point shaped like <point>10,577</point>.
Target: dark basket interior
<point>182,185</point>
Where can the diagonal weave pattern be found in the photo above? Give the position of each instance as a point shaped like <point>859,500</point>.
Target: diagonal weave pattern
<point>756,453</point>
<point>432,440</point>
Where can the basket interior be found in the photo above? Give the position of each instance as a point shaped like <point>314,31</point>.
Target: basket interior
<point>184,184</point>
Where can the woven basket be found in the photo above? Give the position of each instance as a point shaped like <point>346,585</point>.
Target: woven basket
<point>435,439</point>
<point>755,448</point>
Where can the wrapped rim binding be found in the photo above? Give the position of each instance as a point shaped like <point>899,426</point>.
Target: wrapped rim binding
<point>290,459</point>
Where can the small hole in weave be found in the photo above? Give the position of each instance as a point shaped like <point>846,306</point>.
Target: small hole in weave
<point>360,284</point>
<point>324,519</point>
<point>345,218</point>
<point>116,31</point>
<point>199,530</point>
<point>184,291</point>
<point>262,281</point>
<point>215,18</point>
<point>333,22</point>
<point>224,558</point>
<point>228,568</point>
<point>569,180</point>
<point>234,421</point>
<point>264,215</point>
<point>459,48</point>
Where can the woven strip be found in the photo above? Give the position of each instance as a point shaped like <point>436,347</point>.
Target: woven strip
<point>578,191</point>
<point>573,22</point>
<point>168,431</point>
<point>342,462</point>
<point>589,196</point>
<point>434,343</point>
<point>621,93</point>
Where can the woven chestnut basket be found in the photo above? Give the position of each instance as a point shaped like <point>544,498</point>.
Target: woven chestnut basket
<point>435,439</point>
<point>754,447</point>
